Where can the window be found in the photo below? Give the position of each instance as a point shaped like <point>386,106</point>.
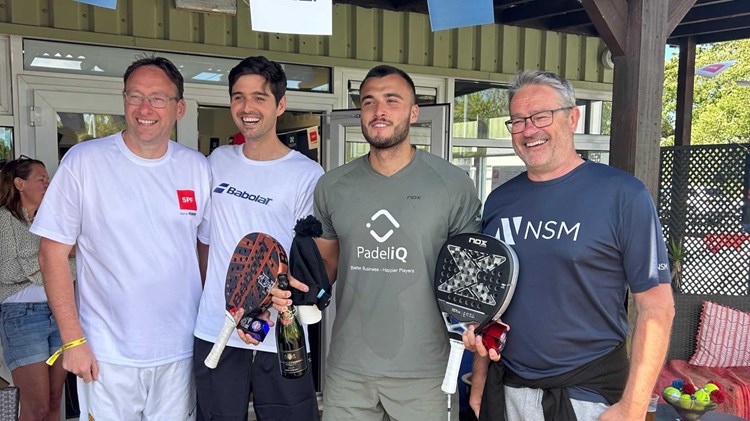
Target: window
<point>59,57</point>
<point>6,143</point>
<point>480,110</point>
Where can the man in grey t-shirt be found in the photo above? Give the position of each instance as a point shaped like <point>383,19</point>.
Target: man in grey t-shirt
<point>384,217</point>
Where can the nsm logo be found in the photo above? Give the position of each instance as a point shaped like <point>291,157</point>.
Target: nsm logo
<point>386,253</point>
<point>225,187</point>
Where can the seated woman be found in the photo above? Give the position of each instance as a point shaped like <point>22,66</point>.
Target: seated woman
<point>28,330</point>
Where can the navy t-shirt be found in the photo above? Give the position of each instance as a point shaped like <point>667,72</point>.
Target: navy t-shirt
<point>582,240</point>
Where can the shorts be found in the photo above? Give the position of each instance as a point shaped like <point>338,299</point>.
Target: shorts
<point>224,392</point>
<point>352,396</point>
<point>522,403</point>
<point>162,393</point>
<point>28,332</point>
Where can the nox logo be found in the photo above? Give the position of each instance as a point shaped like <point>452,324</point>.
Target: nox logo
<point>478,241</point>
<point>226,188</point>
<point>391,219</point>
<point>466,282</point>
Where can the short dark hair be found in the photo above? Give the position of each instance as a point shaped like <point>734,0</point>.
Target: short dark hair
<point>271,71</point>
<point>162,63</point>
<point>386,70</point>
<point>10,197</point>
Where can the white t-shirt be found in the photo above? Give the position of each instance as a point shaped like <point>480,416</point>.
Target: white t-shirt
<point>135,222</point>
<point>249,196</point>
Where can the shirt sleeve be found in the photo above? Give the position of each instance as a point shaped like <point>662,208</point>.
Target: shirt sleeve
<point>644,253</point>
<point>320,207</point>
<point>466,211</point>
<point>59,216</point>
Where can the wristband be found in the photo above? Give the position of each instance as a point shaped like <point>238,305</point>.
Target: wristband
<point>51,360</point>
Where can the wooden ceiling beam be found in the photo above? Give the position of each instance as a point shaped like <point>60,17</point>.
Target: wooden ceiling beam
<point>610,18</point>
<point>531,11</point>
<point>677,11</point>
<point>712,26</point>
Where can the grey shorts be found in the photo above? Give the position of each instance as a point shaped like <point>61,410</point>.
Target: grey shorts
<point>350,396</point>
<point>524,404</point>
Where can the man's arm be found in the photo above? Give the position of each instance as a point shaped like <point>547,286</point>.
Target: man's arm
<point>203,261</point>
<point>329,251</point>
<point>653,325</point>
<point>478,378</point>
<point>58,284</point>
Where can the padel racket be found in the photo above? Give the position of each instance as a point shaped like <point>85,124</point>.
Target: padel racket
<point>254,268</point>
<point>475,278</point>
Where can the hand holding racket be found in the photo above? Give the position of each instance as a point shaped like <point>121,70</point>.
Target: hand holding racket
<point>254,268</point>
<point>475,278</point>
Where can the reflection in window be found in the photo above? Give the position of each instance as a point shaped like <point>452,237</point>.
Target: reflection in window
<point>74,128</point>
<point>596,117</point>
<point>487,167</point>
<point>6,143</point>
<point>480,110</point>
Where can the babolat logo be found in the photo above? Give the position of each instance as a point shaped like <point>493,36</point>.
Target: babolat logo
<point>478,241</point>
<point>226,188</point>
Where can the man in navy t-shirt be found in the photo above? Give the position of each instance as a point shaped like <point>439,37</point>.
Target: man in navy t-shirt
<point>584,233</point>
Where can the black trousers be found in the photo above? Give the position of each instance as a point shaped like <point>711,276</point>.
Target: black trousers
<point>224,392</point>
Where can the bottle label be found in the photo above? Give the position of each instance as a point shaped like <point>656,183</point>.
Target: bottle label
<point>293,361</point>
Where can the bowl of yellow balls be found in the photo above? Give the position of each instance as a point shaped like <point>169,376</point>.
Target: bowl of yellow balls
<point>690,402</point>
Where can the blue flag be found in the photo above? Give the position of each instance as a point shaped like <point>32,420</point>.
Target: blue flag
<point>109,4</point>
<point>448,14</point>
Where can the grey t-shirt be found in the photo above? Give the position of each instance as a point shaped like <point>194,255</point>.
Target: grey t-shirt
<point>390,230</point>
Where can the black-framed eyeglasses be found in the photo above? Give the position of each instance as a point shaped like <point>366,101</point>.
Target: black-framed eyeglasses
<point>155,101</point>
<point>24,157</point>
<point>539,120</point>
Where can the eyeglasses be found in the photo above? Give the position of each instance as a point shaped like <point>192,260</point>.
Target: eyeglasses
<point>155,101</point>
<point>539,120</point>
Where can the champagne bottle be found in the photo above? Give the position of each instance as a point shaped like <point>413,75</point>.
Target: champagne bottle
<point>290,340</point>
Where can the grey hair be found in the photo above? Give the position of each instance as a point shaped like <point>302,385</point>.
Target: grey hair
<point>563,88</point>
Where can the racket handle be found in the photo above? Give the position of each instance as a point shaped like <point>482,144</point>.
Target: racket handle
<point>212,360</point>
<point>454,364</point>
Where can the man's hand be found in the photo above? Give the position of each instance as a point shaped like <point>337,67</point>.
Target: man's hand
<point>621,412</point>
<point>474,344</point>
<point>282,299</point>
<point>80,361</point>
<point>247,338</point>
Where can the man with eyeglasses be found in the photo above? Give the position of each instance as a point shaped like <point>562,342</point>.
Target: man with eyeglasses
<point>131,203</point>
<point>584,233</point>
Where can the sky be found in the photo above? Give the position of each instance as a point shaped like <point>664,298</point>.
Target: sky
<point>669,50</point>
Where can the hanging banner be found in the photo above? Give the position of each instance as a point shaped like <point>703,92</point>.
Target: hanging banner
<point>449,14</point>
<point>304,17</point>
<point>713,69</point>
<point>109,4</point>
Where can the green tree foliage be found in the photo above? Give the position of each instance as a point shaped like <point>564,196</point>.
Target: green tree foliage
<point>483,105</point>
<point>721,109</point>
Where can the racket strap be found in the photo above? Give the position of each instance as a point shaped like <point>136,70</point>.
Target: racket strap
<point>72,344</point>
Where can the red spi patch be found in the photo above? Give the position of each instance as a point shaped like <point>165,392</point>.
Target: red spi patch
<point>186,200</point>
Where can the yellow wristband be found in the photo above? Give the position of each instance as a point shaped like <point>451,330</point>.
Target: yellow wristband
<point>51,360</point>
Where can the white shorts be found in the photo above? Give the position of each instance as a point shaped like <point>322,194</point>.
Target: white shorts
<point>122,393</point>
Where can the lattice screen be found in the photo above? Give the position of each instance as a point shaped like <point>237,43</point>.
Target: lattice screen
<point>700,203</point>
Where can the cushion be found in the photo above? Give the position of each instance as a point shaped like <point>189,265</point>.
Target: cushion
<point>723,337</point>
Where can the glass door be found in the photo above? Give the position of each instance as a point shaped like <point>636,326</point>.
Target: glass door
<point>429,133</point>
<point>62,119</point>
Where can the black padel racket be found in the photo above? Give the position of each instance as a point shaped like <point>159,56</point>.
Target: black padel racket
<point>254,268</point>
<point>475,278</point>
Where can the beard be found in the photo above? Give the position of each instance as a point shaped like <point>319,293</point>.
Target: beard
<point>400,133</point>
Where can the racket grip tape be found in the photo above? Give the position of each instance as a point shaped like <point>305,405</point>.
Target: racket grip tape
<point>212,360</point>
<point>454,364</point>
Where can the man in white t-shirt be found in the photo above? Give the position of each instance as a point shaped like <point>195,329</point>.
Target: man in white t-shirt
<point>132,203</point>
<point>258,186</point>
